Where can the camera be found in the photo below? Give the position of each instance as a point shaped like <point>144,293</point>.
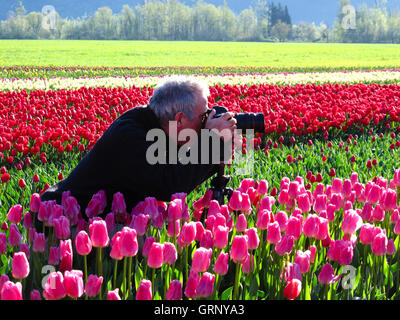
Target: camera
<point>255,121</point>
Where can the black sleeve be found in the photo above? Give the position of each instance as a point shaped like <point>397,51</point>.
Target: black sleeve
<point>162,180</point>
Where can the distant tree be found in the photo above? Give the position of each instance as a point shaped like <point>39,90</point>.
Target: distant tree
<point>127,23</point>
<point>281,31</point>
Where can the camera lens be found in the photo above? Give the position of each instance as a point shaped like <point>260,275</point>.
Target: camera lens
<point>250,121</point>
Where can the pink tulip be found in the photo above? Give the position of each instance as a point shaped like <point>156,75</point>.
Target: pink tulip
<point>330,212</point>
<point>303,259</point>
<point>128,242</point>
<point>206,285</point>
<point>274,233</point>
<point>170,231</point>
<point>115,252</point>
<point>245,184</point>
<point>3,279</point>
<point>96,205</point>
<point>239,249</point>
<point>27,220</point>
<point>39,242</point>
<point>262,187</point>
<point>175,210</point>
<point>379,244</point>
<point>188,233</point>
<point>147,245</point>
<point>292,289</point>
<point>169,253</point>
<point>99,234</point>
<point>71,209</point>
<point>367,212</point>
<point>35,203</point>
<point>337,200</point>
<point>248,264</point>
<point>267,203</point>
<point>118,204</point>
<point>367,233</point>
<point>201,259</point>
<point>252,238</point>
<point>14,236</point>
<point>54,287</point>
<point>3,243</point>
<point>35,295</point>
<point>20,266</point>
<point>285,245</point>
<point>11,291</point>
<point>320,203</point>
<point>293,190</point>
<point>391,248</point>
<point>73,282</point>
<point>15,214</point>
<point>378,214</point>
<point>66,255</point>
<point>347,188</point>
<point>110,222</point>
<point>294,227</point>
<point>83,244</point>
<point>395,216</point>
<point>396,228</point>
<point>341,251</point>
<point>56,211</point>
<point>144,290</point>
<point>313,251</point>
<point>199,231</point>
<point>93,284</point>
<point>235,202</point>
<point>139,223</point>
<point>241,223</point>
<point>310,227</point>
<point>327,275</point>
<point>54,256</point>
<point>222,264</point>
<point>114,295</point>
<point>207,241</point>
<point>323,229</point>
<point>337,185</point>
<point>291,271</point>
<point>374,194</point>
<point>221,237</point>
<point>304,202</point>
<point>174,291</point>
<point>263,218</point>
<point>282,218</point>
<point>191,284</point>
<point>351,222</point>
<point>283,197</point>
<point>155,258</point>
<point>62,228</point>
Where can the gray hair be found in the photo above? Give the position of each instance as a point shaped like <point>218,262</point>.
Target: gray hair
<point>177,94</point>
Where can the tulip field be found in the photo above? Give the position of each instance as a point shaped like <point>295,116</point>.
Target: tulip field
<point>318,219</point>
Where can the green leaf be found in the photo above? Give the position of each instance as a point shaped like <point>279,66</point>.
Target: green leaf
<point>226,294</point>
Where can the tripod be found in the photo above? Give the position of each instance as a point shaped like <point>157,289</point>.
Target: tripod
<point>218,185</point>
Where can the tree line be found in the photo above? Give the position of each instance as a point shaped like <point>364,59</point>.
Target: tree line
<point>172,20</point>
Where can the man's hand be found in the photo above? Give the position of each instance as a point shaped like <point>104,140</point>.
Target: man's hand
<point>224,126</point>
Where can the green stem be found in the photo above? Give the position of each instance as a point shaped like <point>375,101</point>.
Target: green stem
<point>236,286</point>
<point>85,270</point>
<point>125,288</point>
<point>129,276</point>
<point>153,274</point>
<point>115,274</point>
<point>166,285</point>
<point>99,269</point>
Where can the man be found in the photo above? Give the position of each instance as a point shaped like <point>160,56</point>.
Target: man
<point>119,162</point>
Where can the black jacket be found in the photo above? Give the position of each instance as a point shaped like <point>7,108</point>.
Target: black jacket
<point>117,163</point>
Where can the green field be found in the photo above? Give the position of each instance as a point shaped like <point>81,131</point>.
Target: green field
<point>161,53</point>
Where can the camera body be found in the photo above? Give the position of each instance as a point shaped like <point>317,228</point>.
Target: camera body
<point>255,121</point>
